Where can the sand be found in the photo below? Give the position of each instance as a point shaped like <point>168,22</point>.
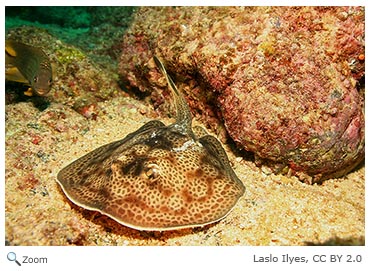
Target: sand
<point>275,210</point>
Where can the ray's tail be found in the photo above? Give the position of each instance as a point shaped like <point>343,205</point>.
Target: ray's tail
<point>183,114</point>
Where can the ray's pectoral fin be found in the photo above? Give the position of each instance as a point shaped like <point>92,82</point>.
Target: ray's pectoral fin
<point>215,149</point>
<point>149,125</point>
<point>98,162</point>
<point>135,136</point>
<point>199,131</point>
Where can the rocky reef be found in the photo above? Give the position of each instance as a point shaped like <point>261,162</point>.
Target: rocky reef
<point>287,83</point>
<point>78,81</point>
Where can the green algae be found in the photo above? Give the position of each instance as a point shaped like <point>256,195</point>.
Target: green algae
<point>68,55</point>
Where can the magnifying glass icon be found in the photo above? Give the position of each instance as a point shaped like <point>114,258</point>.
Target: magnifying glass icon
<point>13,257</point>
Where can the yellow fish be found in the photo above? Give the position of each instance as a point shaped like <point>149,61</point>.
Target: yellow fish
<point>29,65</point>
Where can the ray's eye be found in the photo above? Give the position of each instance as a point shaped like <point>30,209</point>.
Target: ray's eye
<point>152,171</point>
<point>35,79</point>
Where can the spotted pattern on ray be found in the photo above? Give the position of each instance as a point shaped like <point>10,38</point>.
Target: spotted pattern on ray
<point>158,177</point>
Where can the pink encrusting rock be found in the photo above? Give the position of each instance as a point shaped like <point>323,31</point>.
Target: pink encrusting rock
<point>287,82</point>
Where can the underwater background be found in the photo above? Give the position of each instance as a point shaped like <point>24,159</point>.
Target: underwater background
<point>87,27</point>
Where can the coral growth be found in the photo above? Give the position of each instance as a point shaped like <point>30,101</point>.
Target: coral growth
<point>285,80</point>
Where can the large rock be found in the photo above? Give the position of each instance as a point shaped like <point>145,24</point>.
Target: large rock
<point>287,82</point>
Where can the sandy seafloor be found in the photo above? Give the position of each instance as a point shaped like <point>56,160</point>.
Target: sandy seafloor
<point>275,210</point>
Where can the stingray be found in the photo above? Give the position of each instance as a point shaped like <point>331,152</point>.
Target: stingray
<point>157,178</point>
